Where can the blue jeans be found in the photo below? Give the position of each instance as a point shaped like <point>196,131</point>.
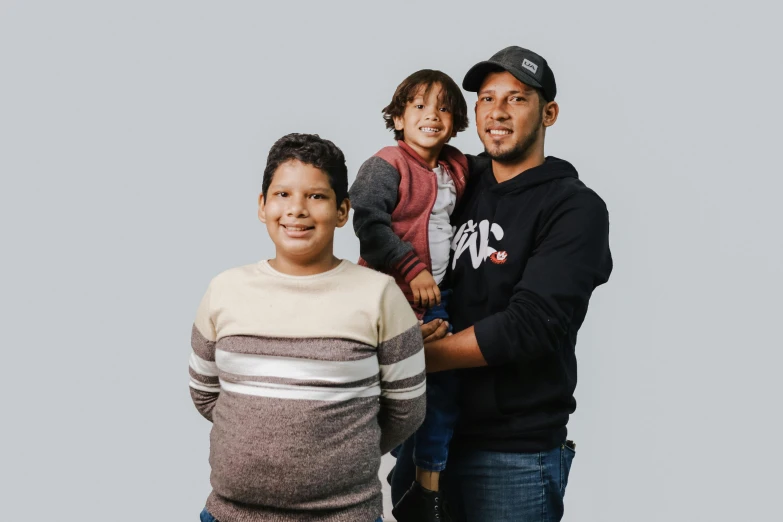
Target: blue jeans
<point>206,516</point>
<point>487,486</point>
<point>431,440</point>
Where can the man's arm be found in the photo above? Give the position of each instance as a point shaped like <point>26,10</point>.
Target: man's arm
<point>204,384</point>
<point>460,350</point>
<point>373,198</point>
<point>571,259</point>
<point>401,359</point>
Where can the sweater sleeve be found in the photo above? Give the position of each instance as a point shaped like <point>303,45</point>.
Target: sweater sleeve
<point>403,377</point>
<point>570,260</point>
<point>204,384</point>
<point>373,198</point>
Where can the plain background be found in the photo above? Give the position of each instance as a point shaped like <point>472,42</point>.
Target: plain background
<point>133,136</point>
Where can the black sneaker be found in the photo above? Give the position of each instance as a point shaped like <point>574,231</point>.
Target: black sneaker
<point>419,505</point>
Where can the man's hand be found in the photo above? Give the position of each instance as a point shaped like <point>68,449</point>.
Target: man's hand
<point>425,290</point>
<point>460,350</point>
<point>434,330</point>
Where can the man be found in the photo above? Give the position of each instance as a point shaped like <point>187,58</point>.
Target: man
<point>531,244</point>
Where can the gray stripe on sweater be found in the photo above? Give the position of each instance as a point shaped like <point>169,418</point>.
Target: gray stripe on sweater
<point>202,346</point>
<point>233,377</point>
<point>202,378</point>
<point>405,383</point>
<point>400,347</point>
<point>320,349</point>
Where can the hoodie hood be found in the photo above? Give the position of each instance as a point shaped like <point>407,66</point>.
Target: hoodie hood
<point>552,169</point>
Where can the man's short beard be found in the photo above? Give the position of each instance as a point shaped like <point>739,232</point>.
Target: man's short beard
<point>521,150</point>
<point>517,153</point>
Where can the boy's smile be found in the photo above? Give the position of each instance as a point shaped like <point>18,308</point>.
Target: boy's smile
<point>293,230</point>
<point>426,123</point>
<point>301,213</point>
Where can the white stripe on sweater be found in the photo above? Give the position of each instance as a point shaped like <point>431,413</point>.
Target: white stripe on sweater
<point>404,369</point>
<point>202,367</point>
<point>204,387</point>
<point>309,393</point>
<point>295,368</point>
<point>406,393</point>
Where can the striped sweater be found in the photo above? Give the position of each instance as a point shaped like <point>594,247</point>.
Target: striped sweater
<point>307,380</point>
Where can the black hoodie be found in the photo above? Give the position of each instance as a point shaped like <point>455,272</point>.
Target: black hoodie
<point>527,254</point>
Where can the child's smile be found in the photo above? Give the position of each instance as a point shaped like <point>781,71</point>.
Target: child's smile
<point>301,213</point>
<point>426,123</point>
<point>296,231</point>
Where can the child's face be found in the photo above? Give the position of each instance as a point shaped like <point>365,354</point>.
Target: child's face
<point>301,213</point>
<point>427,123</point>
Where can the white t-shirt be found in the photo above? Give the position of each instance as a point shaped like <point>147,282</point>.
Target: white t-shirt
<point>440,230</point>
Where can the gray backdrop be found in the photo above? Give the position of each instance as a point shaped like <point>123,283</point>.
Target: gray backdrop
<point>133,136</point>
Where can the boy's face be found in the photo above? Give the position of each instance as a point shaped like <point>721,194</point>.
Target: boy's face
<point>426,123</point>
<point>301,213</point>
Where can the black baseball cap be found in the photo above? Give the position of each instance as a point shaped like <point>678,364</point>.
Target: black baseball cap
<point>525,65</point>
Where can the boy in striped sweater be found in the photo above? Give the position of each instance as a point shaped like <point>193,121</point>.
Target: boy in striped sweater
<point>309,366</point>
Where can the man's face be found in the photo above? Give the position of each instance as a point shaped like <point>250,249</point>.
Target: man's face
<point>509,117</point>
<point>301,212</point>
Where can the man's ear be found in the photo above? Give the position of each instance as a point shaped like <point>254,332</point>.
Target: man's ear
<point>261,208</point>
<point>399,122</point>
<point>342,212</point>
<point>551,111</point>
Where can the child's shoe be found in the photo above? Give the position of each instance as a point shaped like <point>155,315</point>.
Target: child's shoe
<point>419,505</point>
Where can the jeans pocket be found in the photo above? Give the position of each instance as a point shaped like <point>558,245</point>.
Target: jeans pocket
<point>567,454</point>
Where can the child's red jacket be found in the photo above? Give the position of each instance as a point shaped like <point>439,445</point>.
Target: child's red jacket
<point>392,197</point>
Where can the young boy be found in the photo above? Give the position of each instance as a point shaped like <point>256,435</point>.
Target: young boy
<point>403,198</point>
<point>309,366</point>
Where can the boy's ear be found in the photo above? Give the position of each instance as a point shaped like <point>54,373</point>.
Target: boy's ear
<point>399,123</point>
<point>342,212</point>
<point>261,208</point>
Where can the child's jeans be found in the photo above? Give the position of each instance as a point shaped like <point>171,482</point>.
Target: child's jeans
<point>431,440</point>
<point>206,516</point>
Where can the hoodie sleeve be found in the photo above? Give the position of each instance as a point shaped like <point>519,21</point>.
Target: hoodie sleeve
<point>571,258</point>
<point>373,198</point>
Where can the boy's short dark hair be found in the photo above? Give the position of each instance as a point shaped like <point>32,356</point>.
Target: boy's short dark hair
<point>312,150</point>
<point>452,99</point>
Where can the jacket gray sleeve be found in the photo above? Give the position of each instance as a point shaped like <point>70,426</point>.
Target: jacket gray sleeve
<point>373,198</point>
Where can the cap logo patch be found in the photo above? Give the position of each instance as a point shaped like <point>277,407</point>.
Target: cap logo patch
<point>530,66</point>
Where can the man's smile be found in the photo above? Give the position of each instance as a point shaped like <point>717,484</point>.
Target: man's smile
<point>498,131</point>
